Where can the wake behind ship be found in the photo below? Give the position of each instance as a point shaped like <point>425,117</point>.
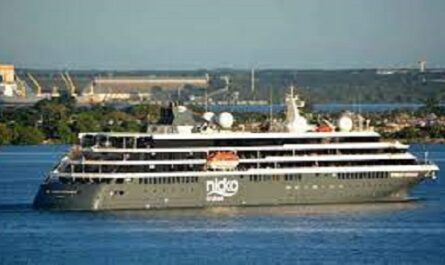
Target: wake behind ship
<point>203,163</point>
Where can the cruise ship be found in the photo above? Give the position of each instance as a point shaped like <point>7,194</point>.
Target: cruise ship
<point>191,161</point>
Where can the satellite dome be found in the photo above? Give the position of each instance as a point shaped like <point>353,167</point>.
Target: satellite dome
<point>345,123</point>
<point>208,116</point>
<point>182,108</point>
<point>225,120</point>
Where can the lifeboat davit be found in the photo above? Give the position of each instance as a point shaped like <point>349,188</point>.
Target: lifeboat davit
<point>222,161</point>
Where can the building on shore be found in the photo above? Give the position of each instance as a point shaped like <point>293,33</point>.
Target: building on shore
<point>7,72</point>
<point>106,89</point>
<point>8,87</point>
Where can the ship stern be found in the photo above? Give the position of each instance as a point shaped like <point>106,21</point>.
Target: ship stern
<point>60,196</point>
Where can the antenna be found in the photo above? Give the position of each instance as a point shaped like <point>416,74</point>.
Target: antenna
<point>360,126</point>
<point>206,101</point>
<point>270,105</point>
<point>252,80</point>
<point>422,66</point>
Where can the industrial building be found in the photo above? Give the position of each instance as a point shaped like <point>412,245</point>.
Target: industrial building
<point>105,89</point>
<point>7,73</point>
<point>8,87</point>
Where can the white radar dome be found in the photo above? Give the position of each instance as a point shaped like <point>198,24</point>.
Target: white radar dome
<point>345,123</point>
<point>208,116</point>
<point>225,120</point>
<point>182,108</point>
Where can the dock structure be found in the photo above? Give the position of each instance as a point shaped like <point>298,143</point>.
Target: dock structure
<point>102,89</point>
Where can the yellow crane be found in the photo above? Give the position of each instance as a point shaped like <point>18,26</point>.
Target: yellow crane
<point>70,81</point>
<point>36,84</point>
<point>21,86</point>
<point>69,86</point>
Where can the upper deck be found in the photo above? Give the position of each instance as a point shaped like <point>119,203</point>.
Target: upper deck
<point>185,129</point>
<point>227,139</point>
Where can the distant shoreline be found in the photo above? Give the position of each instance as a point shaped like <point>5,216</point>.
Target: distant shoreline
<point>418,140</point>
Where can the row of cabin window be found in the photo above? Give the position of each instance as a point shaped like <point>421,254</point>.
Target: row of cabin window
<point>243,166</point>
<point>363,175</point>
<point>147,142</point>
<point>287,177</point>
<point>292,177</point>
<point>162,180</point>
<point>86,180</point>
<point>241,154</point>
<point>116,142</point>
<point>259,178</point>
<point>168,180</point>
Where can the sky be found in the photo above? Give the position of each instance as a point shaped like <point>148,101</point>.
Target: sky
<point>208,34</point>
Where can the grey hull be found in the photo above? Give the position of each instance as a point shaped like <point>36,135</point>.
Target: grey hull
<point>133,194</point>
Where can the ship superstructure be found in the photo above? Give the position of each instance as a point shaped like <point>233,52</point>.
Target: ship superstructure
<point>203,163</point>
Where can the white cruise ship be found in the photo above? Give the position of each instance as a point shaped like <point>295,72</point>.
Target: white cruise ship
<point>204,163</point>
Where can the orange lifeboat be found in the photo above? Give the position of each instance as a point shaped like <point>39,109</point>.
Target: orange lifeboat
<point>324,128</point>
<point>222,160</point>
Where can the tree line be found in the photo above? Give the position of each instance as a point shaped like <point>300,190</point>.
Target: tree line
<point>59,121</point>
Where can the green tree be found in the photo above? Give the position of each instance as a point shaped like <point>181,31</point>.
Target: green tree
<point>432,105</point>
<point>52,114</point>
<point>28,135</point>
<point>115,121</point>
<point>64,133</point>
<point>86,122</point>
<point>132,126</point>
<point>5,134</point>
<point>146,112</point>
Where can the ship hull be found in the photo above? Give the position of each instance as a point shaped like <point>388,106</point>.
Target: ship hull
<point>222,191</point>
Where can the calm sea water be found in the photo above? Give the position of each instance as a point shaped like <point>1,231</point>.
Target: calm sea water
<point>391,233</point>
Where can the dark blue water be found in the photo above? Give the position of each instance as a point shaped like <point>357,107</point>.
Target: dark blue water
<point>396,233</point>
<point>331,107</point>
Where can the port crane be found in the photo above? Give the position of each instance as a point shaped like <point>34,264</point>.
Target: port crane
<point>73,87</point>
<point>208,96</point>
<point>21,86</point>
<point>222,90</point>
<point>68,83</point>
<point>36,84</point>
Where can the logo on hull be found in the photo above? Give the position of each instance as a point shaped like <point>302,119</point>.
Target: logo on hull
<point>218,189</point>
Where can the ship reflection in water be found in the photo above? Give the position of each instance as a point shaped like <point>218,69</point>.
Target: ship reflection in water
<point>338,210</point>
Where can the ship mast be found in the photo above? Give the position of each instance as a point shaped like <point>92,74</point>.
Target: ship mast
<point>294,121</point>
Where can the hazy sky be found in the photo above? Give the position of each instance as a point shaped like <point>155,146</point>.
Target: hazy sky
<point>190,34</point>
